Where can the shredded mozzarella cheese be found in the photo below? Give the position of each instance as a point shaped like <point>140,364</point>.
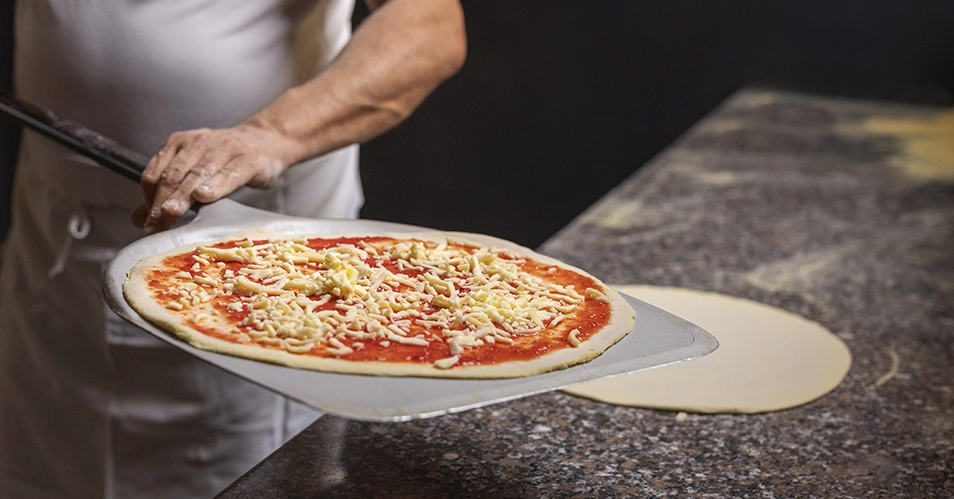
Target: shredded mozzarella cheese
<point>466,295</point>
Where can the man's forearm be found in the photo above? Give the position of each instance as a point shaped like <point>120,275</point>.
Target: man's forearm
<point>395,59</point>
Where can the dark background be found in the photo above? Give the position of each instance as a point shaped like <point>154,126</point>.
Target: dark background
<point>559,101</point>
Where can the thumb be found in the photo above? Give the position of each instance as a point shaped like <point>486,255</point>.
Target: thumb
<point>139,215</point>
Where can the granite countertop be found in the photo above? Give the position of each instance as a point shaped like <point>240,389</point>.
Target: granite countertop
<point>841,211</point>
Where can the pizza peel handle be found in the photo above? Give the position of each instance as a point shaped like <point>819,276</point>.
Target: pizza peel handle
<point>106,152</point>
<point>111,155</point>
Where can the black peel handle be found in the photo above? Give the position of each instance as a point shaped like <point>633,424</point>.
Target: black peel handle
<point>104,151</point>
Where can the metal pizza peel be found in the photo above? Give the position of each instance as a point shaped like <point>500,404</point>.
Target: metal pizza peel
<point>658,338</point>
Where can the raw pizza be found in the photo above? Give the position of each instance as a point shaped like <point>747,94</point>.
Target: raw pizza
<point>407,304</point>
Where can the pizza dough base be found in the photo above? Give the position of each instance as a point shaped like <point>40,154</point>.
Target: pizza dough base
<point>621,321</point>
<point>768,359</point>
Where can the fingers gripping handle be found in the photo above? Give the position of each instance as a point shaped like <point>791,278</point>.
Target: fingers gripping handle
<point>104,151</point>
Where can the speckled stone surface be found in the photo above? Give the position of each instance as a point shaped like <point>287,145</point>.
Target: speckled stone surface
<point>800,202</point>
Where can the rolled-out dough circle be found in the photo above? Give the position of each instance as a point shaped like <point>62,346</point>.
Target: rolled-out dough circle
<point>768,359</point>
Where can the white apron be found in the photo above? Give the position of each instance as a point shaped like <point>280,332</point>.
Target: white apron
<point>90,406</point>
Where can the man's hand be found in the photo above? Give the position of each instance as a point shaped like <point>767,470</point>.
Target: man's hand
<point>206,165</point>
